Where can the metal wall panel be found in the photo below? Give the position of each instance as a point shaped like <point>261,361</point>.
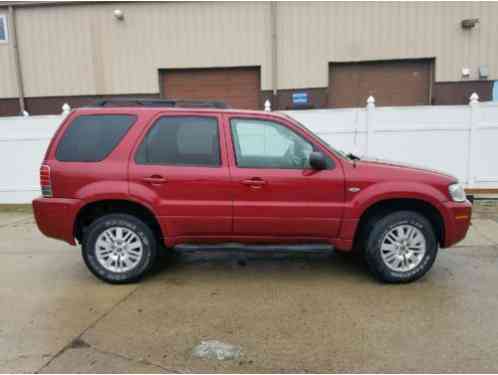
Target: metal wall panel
<point>8,86</point>
<point>80,49</point>
<point>57,50</point>
<point>83,49</point>
<point>310,35</point>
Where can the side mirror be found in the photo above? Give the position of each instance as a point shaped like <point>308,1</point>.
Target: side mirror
<point>318,161</point>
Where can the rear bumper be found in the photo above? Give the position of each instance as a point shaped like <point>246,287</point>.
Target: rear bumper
<point>55,217</point>
<point>457,221</point>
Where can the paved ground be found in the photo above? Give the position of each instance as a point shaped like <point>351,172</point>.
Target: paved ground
<point>308,313</point>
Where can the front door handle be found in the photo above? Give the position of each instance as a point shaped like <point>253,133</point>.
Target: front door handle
<point>254,182</point>
<point>155,180</point>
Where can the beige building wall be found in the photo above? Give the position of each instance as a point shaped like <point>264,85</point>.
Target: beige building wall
<point>8,85</point>
<point>83,50</point>
<point>311,35</point>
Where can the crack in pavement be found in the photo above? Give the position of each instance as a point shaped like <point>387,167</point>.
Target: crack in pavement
<point>24,356</point>
<point>92,325</point>
<point>140,360</point>
<point>169,370</point>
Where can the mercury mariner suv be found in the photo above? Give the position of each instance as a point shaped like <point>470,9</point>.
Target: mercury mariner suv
<point>129,181</point>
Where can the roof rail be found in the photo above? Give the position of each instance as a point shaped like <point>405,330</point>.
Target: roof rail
<point>170,103</point>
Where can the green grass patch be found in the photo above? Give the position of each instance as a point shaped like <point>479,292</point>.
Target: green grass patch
<point>21,208</point>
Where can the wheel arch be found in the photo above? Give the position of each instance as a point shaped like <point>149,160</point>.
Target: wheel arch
<point>95,209</point>
<point>387,206</point>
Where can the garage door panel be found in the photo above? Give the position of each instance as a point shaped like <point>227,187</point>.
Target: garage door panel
<point>238,87</point>
<point>392,83</point>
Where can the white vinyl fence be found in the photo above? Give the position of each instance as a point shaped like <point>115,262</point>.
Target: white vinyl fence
<point>461,140</point>
<point>23,142</point>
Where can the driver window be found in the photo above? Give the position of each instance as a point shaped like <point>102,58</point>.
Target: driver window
<point>266,144</point>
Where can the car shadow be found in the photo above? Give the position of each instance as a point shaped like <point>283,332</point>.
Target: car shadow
<point>337,262</point>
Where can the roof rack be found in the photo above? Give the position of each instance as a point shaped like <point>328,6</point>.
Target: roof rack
<point>170,103</point>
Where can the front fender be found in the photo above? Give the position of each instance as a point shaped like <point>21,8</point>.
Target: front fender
<point>359,202</point>
<point>382,191</point>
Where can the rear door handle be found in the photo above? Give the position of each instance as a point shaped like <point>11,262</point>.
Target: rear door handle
<point>155,180</point>
<point>255,182</point>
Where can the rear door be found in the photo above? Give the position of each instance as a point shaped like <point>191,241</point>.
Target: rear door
<point>276,193</point>
<point>180,167</point>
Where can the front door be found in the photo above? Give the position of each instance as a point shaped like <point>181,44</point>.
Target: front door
<point>276,193</point>
<point>181,167</point>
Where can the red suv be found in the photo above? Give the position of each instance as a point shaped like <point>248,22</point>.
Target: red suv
<point>129,181</point>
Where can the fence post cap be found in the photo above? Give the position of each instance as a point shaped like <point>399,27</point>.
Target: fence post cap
<point>474,98</point>
<point>267,105</point>
<point>370,100</point>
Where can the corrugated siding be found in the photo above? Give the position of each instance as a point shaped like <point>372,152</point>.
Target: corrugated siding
<point>83,50</point>
<point>312,34</point>
<point>8,87</point>
<point>56,49</point>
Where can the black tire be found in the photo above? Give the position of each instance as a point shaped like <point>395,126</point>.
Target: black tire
<point>142,230</point>
<point>380,228</point>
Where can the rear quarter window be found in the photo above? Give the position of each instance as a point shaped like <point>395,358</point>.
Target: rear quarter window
<point>91,138</point>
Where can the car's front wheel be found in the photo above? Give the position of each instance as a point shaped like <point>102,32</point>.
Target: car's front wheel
<point>119,248</point>
<point>401,247</point>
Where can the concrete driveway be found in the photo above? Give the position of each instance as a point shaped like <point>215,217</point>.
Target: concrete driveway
<point>319,313</point>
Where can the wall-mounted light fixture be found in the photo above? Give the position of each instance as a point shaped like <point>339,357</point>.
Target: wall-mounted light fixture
<point>465,72</point>
<point>469,23</point>
<point>118,14</point>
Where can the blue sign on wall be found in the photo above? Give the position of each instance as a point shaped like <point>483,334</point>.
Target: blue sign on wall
<point>495,91</point>
<point>300,98</point>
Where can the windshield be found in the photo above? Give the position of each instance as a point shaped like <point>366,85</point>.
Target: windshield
<point>340,153</point>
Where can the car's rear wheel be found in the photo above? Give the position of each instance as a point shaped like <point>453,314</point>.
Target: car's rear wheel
<point>119,248</point>
<point>401,247</point>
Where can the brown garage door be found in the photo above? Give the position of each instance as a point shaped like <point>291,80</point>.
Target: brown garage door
<point>238,87</point>
<point>392,83</point>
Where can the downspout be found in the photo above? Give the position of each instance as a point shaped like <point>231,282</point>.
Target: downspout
<point>17,60</point>
<point>274,55</point>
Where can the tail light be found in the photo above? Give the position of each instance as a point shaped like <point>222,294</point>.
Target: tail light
<point>45,181</point>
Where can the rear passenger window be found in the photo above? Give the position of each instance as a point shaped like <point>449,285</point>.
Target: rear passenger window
<point>91,138</point>
<point>182,140</point>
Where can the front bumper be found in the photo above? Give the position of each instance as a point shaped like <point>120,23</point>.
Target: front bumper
<point>457,221</point>
<point>55,217</point>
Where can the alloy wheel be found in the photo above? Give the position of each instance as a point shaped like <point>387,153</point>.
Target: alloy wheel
<point>403,248</point>
<point>119,249</point>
